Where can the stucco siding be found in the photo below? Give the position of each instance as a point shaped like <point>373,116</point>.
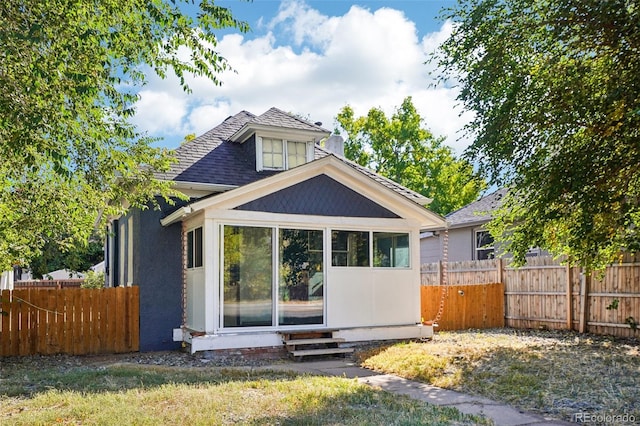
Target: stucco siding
<point>158,272</point>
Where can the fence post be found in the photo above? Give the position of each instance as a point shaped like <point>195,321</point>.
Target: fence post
<point>569,298</point>
<point>584,311</point>
<point>440,277</point>
<point>499,274</point>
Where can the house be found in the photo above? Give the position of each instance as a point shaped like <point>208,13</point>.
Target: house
<point>468,237</point>
<point>279,234</point>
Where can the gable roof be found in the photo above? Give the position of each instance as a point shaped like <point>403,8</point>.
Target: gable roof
<point>218,157</point>
<point>478,212</point>
<point>331,166</point>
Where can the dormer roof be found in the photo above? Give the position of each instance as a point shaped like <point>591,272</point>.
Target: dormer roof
<point>276,121</point>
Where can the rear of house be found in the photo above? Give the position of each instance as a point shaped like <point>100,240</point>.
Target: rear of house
<point>279,235</point>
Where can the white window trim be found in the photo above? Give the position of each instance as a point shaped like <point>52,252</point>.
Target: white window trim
<point>275,232</point>
<point>193,247</point>
<point>310,153</point>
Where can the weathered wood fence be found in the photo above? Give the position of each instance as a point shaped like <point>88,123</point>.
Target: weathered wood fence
<point>541,294</point>
<point>73,321</point>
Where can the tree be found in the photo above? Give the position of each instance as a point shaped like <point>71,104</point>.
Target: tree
<point>77,259</point>
<point>69,73</point>
<point>402,150</point>
<point>554,86</point>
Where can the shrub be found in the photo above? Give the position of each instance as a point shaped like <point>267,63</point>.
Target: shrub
<point>93,279</point>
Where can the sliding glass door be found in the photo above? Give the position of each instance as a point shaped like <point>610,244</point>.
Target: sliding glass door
<point>301,278</point>
<point>247,276</point>
<point>252,258</point>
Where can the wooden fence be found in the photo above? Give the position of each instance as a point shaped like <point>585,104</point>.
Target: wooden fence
<point>464,306</point>
<point>73,321</point>
<point>546,294</point>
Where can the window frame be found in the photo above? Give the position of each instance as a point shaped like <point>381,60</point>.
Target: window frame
<point>490,250</point>
<point>282,152</point>
<point>195,246</point>
<point>348,252</point>
<point>286,163</point>
<point>275,275</point>
<point>371,246</point>
<point>393,250</point>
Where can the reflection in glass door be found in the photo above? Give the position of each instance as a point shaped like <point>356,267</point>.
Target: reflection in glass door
<point>301,277</point>
<point>248,277</point>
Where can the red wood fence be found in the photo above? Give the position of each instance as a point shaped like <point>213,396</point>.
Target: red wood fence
<point>71,320</point>
<point>465,306</point>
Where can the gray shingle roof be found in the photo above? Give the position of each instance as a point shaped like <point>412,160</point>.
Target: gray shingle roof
<point>279,118</point>
<point>477,212</point>
<point>408,193</point>
<point>212,158</point>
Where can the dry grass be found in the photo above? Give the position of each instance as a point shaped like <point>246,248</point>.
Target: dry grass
<point>555,373</point>
<point>153,395</point>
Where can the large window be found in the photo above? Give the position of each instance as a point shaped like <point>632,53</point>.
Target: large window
<point>194,248</point>
<point>247,276</point>
<point>349,248</point>
<point>301,283</point>
<point>390,250</point>
<point>484,245</point>
<point>249,262</point>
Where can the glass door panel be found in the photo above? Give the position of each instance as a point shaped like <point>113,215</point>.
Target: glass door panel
<point>248,277</point>
<point>301,277</point>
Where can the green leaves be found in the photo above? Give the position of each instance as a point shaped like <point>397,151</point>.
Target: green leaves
<point>70,72</point>
<point>554,88</point>
<point>401,149</point>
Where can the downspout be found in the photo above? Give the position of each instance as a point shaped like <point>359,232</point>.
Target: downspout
<point>183,238</point>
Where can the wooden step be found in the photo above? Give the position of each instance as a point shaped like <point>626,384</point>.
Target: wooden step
<point>324,351</point>
<point>318,341</point>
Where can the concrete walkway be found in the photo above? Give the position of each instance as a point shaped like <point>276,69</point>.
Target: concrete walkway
<point>501,414</point>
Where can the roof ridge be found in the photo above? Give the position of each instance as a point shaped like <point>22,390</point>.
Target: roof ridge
<point>300,119</point>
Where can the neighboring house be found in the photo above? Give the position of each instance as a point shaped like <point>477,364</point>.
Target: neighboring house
<point>279,235</point>
<point>469,238</point>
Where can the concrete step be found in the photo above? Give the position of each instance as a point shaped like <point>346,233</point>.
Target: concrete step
<point>318,341</point>
<point>323,351</point>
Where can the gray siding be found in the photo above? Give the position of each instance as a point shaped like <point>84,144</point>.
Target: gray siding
<point>320,195</point>
<point>430,249</point>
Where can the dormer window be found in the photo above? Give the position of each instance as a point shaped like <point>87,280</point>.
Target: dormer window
<point>272,153</point>
<point>296,153</point>
<point>281,154</point>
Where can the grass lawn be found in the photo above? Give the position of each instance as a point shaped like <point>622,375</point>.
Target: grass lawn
<point>154,395</point>
<point>557,373</point>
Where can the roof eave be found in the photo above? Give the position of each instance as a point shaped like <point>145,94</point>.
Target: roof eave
<point>176,216</point>
<point>250,128</point>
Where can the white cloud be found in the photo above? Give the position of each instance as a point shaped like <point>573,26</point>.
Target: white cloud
<point>159,112</point>
<point>311,64</point>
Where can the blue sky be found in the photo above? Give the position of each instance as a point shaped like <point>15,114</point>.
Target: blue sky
<point>312,58</point>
